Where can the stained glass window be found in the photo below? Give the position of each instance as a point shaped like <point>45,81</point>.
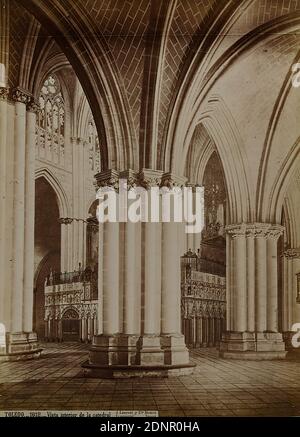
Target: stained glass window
<point>50,132</point>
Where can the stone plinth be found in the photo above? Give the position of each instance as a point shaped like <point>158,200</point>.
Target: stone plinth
<point>20,346</point>
<point>252,346</point>
<point>122,355</point>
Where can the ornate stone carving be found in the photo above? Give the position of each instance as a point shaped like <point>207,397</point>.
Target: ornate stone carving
<point>170,180</point>
<point>236,230</point>
<point>92,224</point>
<point>108,178</point>
<point>64,300</point>
<point>32,105</point>
<point>4,93</point>
<point>65,220</point>
<point>20,95</point>
<point>255,230</point>
<point>150,178</point>
<point>292,253</point>
<point>131,178</point>
<point>78,141</point>
<point>203,295</point>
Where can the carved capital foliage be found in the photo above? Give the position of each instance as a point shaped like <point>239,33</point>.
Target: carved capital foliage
<point>255,230</point>
<point>146,178</point>
<point>92,224</point>
<point>21,96</point>
<point>170,180</point>
<point>292,253</point>
<point>131,178</point>
<point>65,220</point>
<point>150,178</point>
<point>32,105</point>
<point>4,93</point>
<point>236,230</point>
<point>108,178</point>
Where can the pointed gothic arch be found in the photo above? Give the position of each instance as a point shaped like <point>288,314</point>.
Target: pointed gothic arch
<point>63,201</point>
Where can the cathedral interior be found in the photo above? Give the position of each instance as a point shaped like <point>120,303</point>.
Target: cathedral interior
<point>161,93</point>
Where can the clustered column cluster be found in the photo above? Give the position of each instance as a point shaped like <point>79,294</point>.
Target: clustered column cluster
<point>18,120</point>
<point>252,292</point>
<point>139,284</point>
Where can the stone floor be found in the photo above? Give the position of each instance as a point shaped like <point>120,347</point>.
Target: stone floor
<point>217,388</point>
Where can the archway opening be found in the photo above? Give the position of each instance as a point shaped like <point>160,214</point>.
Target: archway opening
<point>204,275</point>
<point>70,325</point>
<point>47,247</point>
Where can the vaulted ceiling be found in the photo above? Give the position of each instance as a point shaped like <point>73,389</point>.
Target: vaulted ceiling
<point>146,65</point>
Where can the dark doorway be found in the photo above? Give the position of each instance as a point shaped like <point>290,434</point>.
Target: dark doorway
<point>70,326</point>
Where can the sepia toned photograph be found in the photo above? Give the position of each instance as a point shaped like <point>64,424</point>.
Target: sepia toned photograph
<point>150,210</point>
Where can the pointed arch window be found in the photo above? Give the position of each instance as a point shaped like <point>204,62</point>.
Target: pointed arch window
<point>50,132</point>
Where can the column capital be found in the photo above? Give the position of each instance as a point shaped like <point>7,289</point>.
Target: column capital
<point>292,253</point>
<point>20,95</point>
<point>255,230</point>
<point>108,178</point>
<point>92,224</point>
<point>131,177</point>
<point>170,180</point>
<point>236,230</point>
<point>4,93</point>
<point>77,140</point>
<point>150,178</point>
<point>65,220</point>
<point>193,186</point>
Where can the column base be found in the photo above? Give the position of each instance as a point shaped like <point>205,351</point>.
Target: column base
<point>252,346</point>
<point>20,346</point>
<point>292,352</point>
<point>175,350</point>
<point>125,356</point>
<point>150,352</point>
<point>110,350</point>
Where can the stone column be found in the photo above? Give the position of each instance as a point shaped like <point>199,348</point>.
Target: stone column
<point>69,231</point>
<point>228,283</point>
<point>129,274</point>
<point>80,228</point>
<point>89,329</point>
<point>19,209</point>
<point>111,324</point>
<point>3,207</point>
<point>290,305</point>
<point>75,207</point>
<point>261,280</point>
<point>152,311</point>
<point>239,282</point>
<point>78,224</point>
<point>252,274</point>
<point>172,340</point>
<point>83,330</point>
<point>65,223</point>
<point>100,280</point>
<point>21,341</point>
<point>250,280</point>
<point>131,300</point>
<point>29,216</point>
<point>151,351</point>
<point>105,346</point>
<point>272,283</point>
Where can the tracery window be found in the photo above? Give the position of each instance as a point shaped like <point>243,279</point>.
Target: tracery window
<point>94,147</point>
<point>50,132</point>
